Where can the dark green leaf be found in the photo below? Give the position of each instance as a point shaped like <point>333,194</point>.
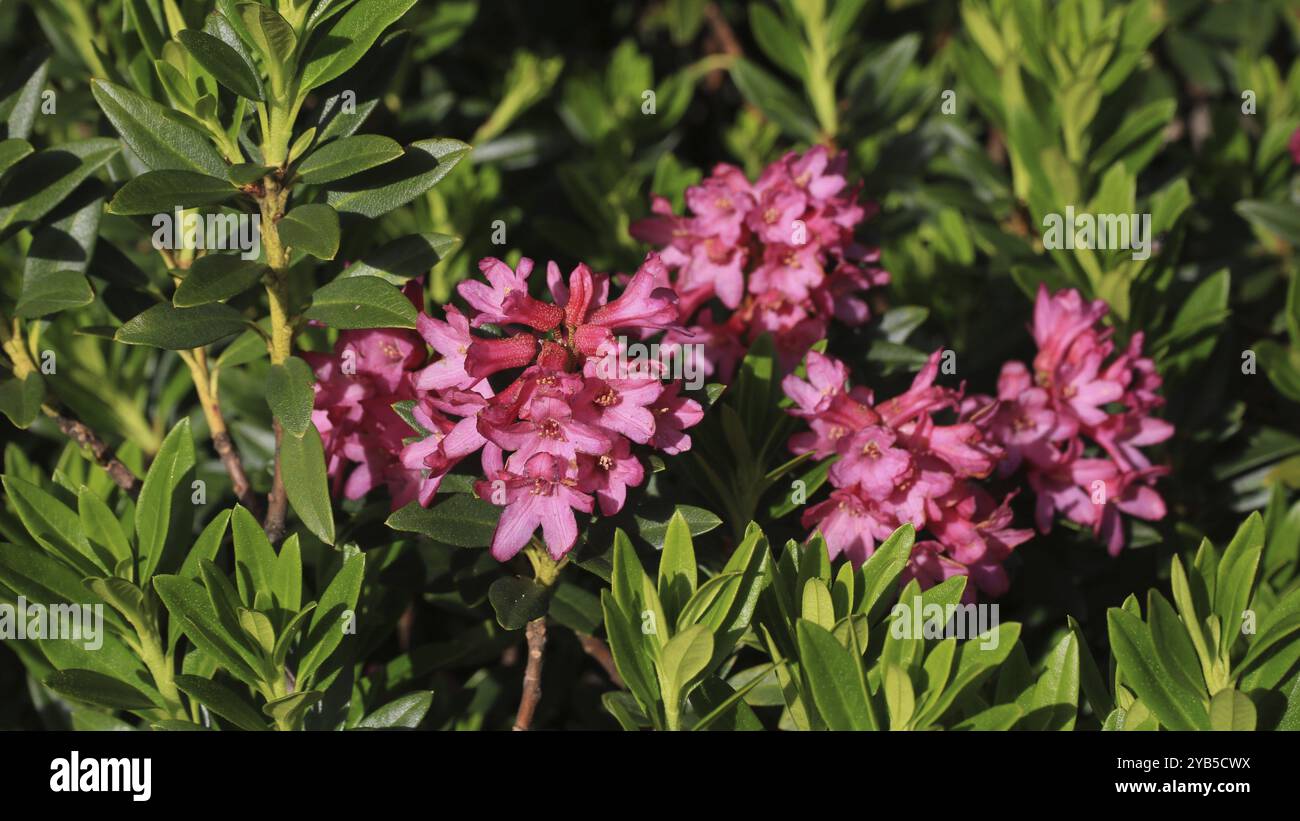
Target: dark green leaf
<point>361,302</point>
<point>302,464</point>
<point>215,277</point>
<point>175,329</point>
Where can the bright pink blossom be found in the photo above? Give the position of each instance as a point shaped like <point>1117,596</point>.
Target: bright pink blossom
<point>894,464</point>
<point>557,434</point>
<point>777,255</point>
<point>1078,425</point>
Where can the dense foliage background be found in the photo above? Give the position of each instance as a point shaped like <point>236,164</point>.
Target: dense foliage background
<point>1183,109</point>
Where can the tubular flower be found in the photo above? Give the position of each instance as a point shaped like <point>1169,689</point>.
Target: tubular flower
<point>1077,422</point>
<point>563,430</point>
<point>894,464</point>
<point>778,255</point>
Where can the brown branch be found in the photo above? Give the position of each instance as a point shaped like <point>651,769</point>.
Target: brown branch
<point>225,447</point>
<point>536,635</point>
<point>205,384</point>
<point>87,438</point>
<point>277,503</point>
<point>599,651</point>
<point>722,30</point>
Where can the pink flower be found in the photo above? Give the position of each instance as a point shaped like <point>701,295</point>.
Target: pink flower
<point>868,459</point>
<point>777,255</point>
<point>488,300</point>
<point>673,414</point>
<point>544,496</point>
<point>1084,399</point>
<point>557,433</point>
<point>895,465</point>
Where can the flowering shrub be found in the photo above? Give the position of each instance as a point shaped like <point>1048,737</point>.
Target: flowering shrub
<point>298,438</point>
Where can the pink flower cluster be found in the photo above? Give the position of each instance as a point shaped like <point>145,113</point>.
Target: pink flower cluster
<point>569,420</point>
<point>895,464</point>
<point>777,254</point>
<point>1077,424</point>
<point>356,388</point>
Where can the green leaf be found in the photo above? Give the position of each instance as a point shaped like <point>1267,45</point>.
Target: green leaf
<point>158,192</point>
<point>975,660</point>
<point>289,393</point>
<point>652,525</point>
<point>1235,579</point>
<point>770,96</point>
<point>60,253</point>
<point>677,572</point>
<point>20,399</point>
<point>12,151</point>
<point>833,678</point>
<point>1173,646</point>
<point>361,302</point>
<point>257,627</point>
<point>1276,218</point>
<point>403,713</point>
<point>1131,644</point>
<point>313,229</point>
<point>779,43</point>
<point>460,520</point>
<point>97,688</point>
<point>50,522</point>
<point>900,696</point>
<point>1093,683</point>
<point>403,258</point>
<point>517,601</point>
<point>190,604</point>
<point>255,560</point>
<point>302,464</point>
<point>176,329</point>
<point>223,701</point>
<point>345,157</point>
<point>272,36</point>
<point>337,45</point>
<point>158,138</point>
<point>326,630</point>
<point>880,573</point>
<point>732,713</point>
<point>101,527</point>
<point>626,646</point>
<point>1000,717</point>
<point>223,62</point>
<point>20,106</point>
<point>53,292</point>
<point>816,606</point>
<point>684,660</point>
<point>290,710</point>
<point>247,173</point>
<point>153,510</point>
<point>377,191</point>
<point>45,179</point>
<point>1231,709</point>
<point>1055,701</point>
<point>215,277</point>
